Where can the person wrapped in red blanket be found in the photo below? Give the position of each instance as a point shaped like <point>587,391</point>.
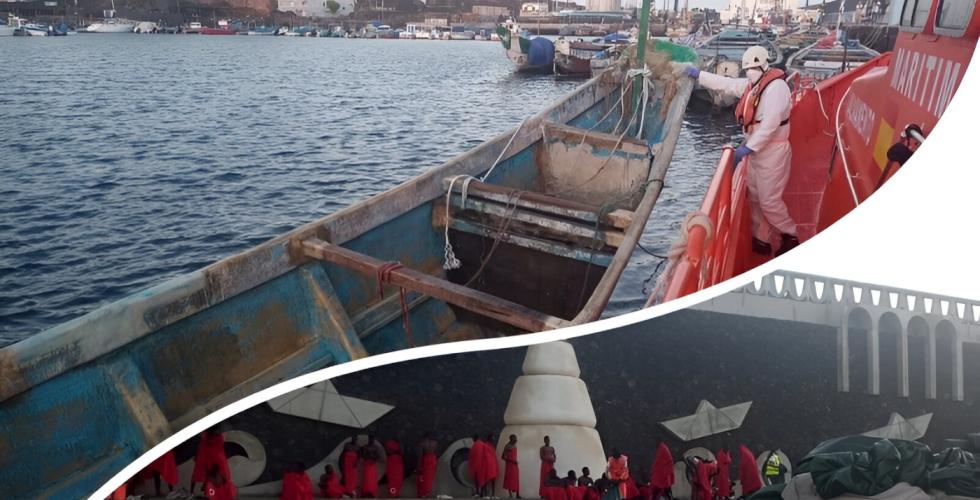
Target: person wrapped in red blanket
<point>296,485</point>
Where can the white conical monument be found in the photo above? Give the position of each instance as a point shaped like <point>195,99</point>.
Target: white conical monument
<point>550,400</point>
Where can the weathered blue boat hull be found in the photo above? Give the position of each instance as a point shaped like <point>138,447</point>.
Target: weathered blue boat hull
<point>80,401</point>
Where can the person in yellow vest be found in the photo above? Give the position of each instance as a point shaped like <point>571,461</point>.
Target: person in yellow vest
<point>774,470</point>
<point>763,112</point>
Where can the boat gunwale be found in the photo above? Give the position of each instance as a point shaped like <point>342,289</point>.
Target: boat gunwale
<point>56,350</point>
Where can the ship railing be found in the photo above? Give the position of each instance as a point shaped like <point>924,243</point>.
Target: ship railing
<point>705,254</point>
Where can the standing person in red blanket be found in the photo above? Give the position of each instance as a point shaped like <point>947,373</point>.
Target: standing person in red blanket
<point>370,454</point>
<point>512,472</point>
<point>394,468</point>
<point>330,486</point>
<point>618,469</point>
<point>662,474</point>
<point>723,481</point>
<point>210,453</point>
<point>348,466</point>
<point>476,463</point>
<point>548,458</point>
<point>492,467</point>
<point>748,471</point>
<point>427,467</point>
<point>218,486</point>
<point>296,485</point>
<point>164,468</point>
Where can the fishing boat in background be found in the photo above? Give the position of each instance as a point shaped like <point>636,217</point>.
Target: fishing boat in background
<point>526,232</point>
<point>223,28</point>
<point>529,54</point>
<point>33,29</point>
<point>265,31</point>
<point>574,57</point>
<point>64,29</point>
<point>869,120</point>
<point>804,36</point>
<point>461,33</point>
<point>722,54</point>
<point>828,57</point>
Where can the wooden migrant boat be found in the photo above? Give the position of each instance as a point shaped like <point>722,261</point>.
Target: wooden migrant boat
<point>543,230</point>
<point>844,131</point>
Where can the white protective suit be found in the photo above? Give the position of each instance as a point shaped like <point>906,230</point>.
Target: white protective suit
<point>768,166</point>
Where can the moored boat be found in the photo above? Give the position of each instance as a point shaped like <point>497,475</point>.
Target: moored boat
<point>722,54</point>
<point>10,25</point>
<point>33,29</point>
<point>110,23</point>
<point>528,231</point>
<point>218,31</point>
<point>461,33</point>
<point>529,54</point>
<point>828,57</point>
<point>574,57</point>
<point>858,126</point>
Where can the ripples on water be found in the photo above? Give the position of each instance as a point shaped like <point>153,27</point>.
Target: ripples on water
<point>128,160</point>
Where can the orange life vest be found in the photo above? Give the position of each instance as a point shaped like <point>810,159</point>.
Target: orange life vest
<point>749,103</point>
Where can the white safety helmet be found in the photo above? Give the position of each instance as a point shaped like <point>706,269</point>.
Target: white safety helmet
<point>755,57</point>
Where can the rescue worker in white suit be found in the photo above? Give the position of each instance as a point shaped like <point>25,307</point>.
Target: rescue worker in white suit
<point>763,111</point>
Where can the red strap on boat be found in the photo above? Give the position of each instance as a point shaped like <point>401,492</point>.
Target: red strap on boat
<point>384,276</point>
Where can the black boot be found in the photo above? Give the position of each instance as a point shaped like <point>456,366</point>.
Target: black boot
<point>789,242</point>
<point>761,247</point>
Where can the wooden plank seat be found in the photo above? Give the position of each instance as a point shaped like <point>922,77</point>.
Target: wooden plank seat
<point>458,295</point>
<point>595,138</point>
<point>570,209</point>
<point>556,226</point>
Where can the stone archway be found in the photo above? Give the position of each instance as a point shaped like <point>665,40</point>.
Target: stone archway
<point>921,358</point>
<point>892,356</point>
<point>862,351</point>
<point>949,362</point>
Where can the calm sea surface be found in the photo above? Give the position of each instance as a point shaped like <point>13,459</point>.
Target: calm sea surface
<point>128,160</point>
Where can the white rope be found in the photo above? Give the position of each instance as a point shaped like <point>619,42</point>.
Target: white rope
<point>499,157</point>
<point>646,99</point>
<point>449,257</point>
<point>843,153</point>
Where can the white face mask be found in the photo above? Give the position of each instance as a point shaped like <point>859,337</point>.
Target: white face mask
<point>754,74</point>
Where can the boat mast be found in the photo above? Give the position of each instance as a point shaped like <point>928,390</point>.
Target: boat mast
<point>641,47</point>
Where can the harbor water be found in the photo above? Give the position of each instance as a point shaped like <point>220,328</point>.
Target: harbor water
<point>132,159</point>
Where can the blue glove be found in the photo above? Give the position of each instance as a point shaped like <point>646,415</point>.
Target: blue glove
<point>741,152</point>
<point>692,72</point>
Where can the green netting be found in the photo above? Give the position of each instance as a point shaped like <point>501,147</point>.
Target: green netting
<point>677,53</point>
